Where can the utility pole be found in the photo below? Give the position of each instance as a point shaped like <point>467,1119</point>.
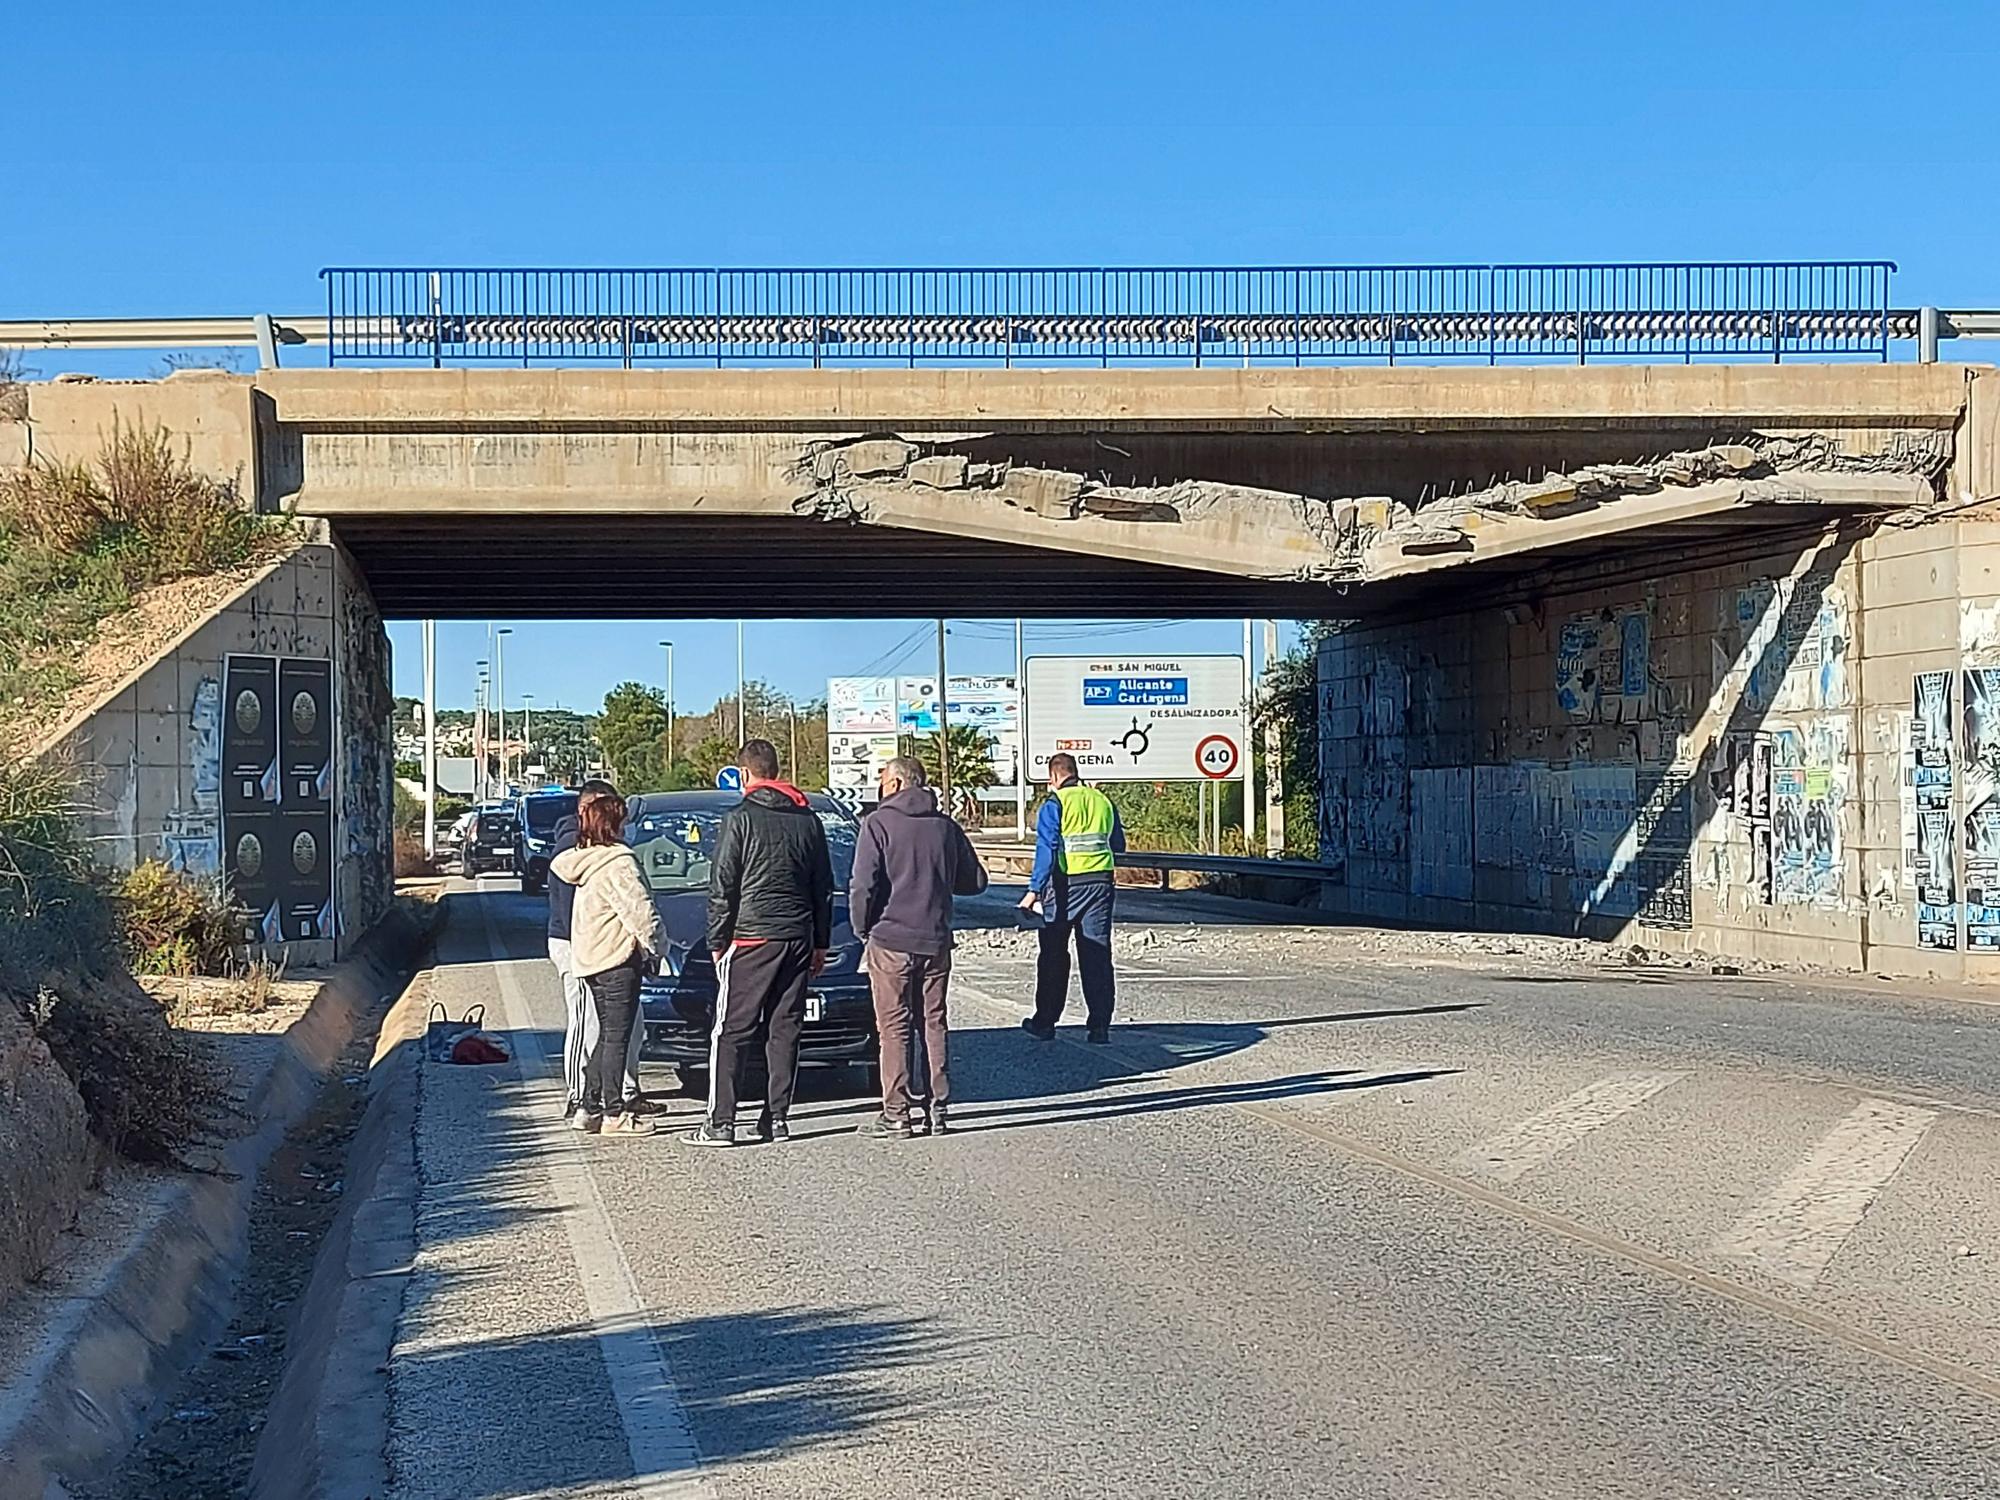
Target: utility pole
<point>670,700</point>
<point>1249,777</point>
<point>742,733</point>
<point>1274,761</point>
<point>430,741</point>
<point>944,725</point>
<point>500,690</point>
<point>1020,735</point>
<point>792,714</point>
<point>527,733</point>
<point>480,731</point>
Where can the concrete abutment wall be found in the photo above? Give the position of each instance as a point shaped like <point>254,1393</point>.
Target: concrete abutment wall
<point>1790,757</point>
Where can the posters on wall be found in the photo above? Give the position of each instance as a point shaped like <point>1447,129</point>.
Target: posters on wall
<point>277,796</point>
<point>305,804</point>
<point>1808,800</point>
<point>1928,764</point>
<point>1790,639</point>
<point>1603,664</point>
<point>1982,808</point>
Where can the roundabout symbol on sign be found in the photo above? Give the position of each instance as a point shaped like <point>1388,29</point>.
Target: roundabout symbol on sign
<point>1215,757</point>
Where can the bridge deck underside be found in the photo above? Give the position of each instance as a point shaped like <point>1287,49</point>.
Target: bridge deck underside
<point>634,566</point>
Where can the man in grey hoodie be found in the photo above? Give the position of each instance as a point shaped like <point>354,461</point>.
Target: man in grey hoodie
<point>909,861</point>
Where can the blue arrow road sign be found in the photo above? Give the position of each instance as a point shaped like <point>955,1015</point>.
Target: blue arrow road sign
<point>729,779</point>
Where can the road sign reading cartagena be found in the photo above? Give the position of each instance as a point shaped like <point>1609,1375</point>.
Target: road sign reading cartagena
<point>1138,718</point>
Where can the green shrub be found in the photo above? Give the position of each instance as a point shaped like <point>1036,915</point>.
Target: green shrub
<point>176,924</point>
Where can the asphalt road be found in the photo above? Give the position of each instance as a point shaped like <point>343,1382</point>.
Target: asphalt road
<point>1311,1226</point>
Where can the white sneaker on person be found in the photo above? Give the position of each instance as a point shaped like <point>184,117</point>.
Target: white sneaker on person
<point>583,1120</point>
<point>627,1124</point>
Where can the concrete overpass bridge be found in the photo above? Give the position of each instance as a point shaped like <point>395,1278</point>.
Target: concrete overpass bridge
<point>1619,631</point>
<point>1338,439</point>
<point>1305,492</point>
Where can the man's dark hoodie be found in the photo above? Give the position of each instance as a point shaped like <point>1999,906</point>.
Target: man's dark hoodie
<point>772,876</point>
<point>562,895</point>
<point>909,862</point>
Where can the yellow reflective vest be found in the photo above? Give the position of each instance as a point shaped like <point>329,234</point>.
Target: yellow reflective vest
<point>1087,821</point>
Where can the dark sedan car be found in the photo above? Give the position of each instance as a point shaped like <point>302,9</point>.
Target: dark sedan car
<point>489,842</point>
<point>538,813</point>
<point>673,834</point>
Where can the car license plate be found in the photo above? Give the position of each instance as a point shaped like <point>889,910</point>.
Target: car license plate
<point>815,1007</point>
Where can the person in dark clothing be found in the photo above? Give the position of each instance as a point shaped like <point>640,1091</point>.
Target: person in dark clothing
<point>1078,836</point>
<point>579,1015</point>
<point>770,921</point>
<point>909,861</point>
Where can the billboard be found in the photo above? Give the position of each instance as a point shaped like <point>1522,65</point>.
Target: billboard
<point>866,715</point>
<point>1139,718</point>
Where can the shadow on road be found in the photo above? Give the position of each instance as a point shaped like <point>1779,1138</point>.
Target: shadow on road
<point>755,1386</point>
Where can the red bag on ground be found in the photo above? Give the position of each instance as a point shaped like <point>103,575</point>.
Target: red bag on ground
<point>474,1048</point>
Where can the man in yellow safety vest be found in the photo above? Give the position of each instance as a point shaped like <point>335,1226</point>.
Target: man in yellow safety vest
<point>1077,839</point>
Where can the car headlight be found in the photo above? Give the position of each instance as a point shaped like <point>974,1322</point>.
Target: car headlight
<point>674,961</point>
<point>843,958</point>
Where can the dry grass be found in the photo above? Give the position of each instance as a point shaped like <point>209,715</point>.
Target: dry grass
<point>176,924</point>
<point>78,540</point>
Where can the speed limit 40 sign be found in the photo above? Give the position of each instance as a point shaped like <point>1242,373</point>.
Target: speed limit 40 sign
<point>1216,757</point>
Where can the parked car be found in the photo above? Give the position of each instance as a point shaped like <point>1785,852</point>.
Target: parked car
<point>673,833</point>
<point>536,816</point>
<point>489,840</point>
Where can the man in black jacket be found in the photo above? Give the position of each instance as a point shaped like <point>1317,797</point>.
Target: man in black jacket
<point>770,920</point>
<point>909,861</point>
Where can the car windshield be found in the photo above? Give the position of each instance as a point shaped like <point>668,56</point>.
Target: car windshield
<point>545,812</point>
<point>496,823</point>
<point>674,846</point>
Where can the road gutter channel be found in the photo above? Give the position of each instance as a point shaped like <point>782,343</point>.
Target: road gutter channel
<point>1973,1382</point>
<point>110,1354</point>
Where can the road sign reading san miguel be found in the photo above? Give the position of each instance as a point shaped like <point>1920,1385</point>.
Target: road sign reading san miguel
<point>1136,718</point>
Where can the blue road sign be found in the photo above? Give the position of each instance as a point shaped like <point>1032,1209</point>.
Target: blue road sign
<point>729,779</point>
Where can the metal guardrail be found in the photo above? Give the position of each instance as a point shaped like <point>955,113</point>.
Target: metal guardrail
<point>1139,315</point>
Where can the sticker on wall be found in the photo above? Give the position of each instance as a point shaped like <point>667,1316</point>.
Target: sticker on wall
<point>1929,769</point>
<point>1982,808</point>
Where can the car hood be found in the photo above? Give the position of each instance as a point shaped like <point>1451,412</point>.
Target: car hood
<point>685,916</point>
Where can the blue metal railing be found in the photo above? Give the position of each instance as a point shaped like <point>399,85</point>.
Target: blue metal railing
<point>1272,314</point>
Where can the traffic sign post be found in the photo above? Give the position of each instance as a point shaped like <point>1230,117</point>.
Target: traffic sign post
<point>729,779</point>
<point>1216,757</point>
<point>1137,718</point>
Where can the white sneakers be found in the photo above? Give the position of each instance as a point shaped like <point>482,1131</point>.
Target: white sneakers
<point>627,1124</point>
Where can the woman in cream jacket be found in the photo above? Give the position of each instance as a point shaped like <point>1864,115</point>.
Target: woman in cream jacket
<point>615,933</point>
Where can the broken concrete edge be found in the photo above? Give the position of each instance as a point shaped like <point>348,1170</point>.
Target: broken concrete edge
<point>108,1355</point>
<point>1232,527</point>
<point>324,1435</point>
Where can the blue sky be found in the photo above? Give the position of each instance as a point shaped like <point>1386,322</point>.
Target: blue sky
<point>205,159</point>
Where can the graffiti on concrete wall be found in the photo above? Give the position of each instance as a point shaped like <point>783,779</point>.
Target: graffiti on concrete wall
<point>367,763</point>
<point>1932,855</point>
<point>1603,665</point>
<point>190,837</point>
<point>1982,808</point>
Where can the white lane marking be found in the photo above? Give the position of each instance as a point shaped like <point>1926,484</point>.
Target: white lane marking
<point>1515,1152</point>
<point>1795,1232</point>
<point>665,1461</point>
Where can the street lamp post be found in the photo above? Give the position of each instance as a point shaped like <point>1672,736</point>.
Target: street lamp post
<point>527,733</point>
<point>669,646</point>
<point>500,691</point>
<point>480,730</point>
<point>742,732</point>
